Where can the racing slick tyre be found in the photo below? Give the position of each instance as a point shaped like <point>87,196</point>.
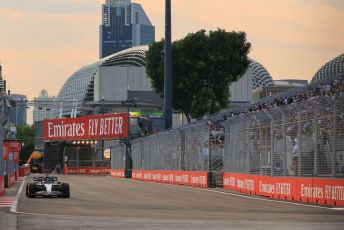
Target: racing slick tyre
<point>65,190</point>
<point>30,190</point>
<point>27,190</point>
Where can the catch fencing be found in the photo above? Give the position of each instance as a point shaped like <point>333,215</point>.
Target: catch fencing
<point>300,139</point>
<point>303,139</point>
<point>185,149</point>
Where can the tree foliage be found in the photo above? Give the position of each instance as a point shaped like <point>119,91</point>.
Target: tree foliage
<point>203,66</point>
<point>26,133</point>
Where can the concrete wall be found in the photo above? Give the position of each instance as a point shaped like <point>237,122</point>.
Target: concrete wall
<point>241,90</point>
<point>112,82</point>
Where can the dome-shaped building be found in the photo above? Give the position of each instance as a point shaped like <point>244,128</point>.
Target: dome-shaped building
<point>76,86</point>
<point>331,69</point>
<point>80,85</point>
<point>255,76</point>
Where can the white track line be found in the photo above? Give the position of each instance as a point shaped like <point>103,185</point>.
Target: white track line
<point>15,203</point>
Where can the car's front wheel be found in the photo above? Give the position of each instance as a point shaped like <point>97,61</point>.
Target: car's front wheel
<point>30,190</point>
<point>65,190</point>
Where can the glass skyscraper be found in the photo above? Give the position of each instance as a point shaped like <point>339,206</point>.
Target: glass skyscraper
<point>124,25</point>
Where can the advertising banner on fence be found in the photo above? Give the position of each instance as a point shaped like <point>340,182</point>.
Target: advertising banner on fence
<point>16,157</point>
<point>24,170</point>
<point>190,178</point>
<point>13,145</point>
<point>11,179</point>
<point>327,191</point>
<point>119,173</point>
<point>107,126</point>
<point>86,170</point>
<point>4,152</point>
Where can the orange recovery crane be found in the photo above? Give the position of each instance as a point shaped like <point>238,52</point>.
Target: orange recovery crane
<point>35,162</point>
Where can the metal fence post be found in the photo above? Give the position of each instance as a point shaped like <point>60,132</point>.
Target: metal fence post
<point>334,127</point>
<point>315,142</point>
<point>299,139</point>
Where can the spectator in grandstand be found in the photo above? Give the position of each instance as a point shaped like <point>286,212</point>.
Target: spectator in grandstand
<point>216,133</point>
<point>340,164</point>
<point>295,151</point>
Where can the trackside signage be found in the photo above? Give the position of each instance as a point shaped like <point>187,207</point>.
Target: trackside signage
<point>9,147</point>
<point>325,191</point>
<point>189,178</point>
<point>108,126</point>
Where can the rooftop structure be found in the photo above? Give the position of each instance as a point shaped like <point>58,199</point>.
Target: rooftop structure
<point>124,25</point>
<point>331,69</point>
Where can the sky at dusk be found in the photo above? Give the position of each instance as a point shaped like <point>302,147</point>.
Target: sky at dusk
<point>42,42</point>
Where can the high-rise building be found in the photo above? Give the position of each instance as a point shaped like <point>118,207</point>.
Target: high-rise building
<point>2,83</point>
<point>124,25</point>
<point>17,110</point>
<point>42,106</point>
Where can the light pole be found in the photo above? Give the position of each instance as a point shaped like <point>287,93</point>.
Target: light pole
<point>128,160</point>
<point>16,116</point>
<point>102,142</point>
<point>168,68</point>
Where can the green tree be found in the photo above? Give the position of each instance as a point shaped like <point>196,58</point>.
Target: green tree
<point>26,133</point>
<point>203,66</point>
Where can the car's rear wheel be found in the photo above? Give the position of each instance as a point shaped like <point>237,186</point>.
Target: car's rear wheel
<point>65,190</point>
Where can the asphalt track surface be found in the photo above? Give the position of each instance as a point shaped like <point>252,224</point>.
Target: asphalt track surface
<point>99,202</point>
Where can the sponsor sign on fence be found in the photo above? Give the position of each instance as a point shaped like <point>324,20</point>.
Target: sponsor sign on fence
<point>189,178</point>
<point>119,173</point>
<point>94,170</point>
<point>24,170</point>
<point>11,179</point>
<point>108,126</point>
<point>307,190</point>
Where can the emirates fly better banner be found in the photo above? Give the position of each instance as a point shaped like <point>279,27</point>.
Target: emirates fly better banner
<point>107,126</point>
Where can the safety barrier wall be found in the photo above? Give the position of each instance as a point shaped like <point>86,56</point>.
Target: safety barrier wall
<point>118,173</point>
<point>189,178</point>
<point>321,191</point>
<point>24,170</point>
<point>87,170</point>
<point>11,179</point>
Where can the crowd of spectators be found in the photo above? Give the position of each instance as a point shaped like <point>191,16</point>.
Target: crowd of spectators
<point>217,134</point>
<point>313,91</point>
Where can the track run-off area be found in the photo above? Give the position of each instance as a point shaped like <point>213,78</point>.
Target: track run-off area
<point>103,202</point>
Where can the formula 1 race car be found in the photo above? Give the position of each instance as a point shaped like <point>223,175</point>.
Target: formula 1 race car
<point>47,186</point>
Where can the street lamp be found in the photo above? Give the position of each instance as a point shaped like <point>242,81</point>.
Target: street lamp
<point>128,160</point>
<point>16,115</point>
<point>168,67</point>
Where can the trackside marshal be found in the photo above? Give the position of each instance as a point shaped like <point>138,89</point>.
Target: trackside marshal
<point>107,126</point>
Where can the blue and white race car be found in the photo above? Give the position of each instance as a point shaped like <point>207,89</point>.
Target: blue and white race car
<point>47,186</point>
